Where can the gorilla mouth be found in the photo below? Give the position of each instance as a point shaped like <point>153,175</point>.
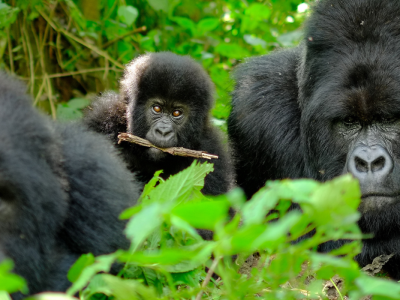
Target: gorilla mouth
<point>373,201</point>
<point>156,154</point>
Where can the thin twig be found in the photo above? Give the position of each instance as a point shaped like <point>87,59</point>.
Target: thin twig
<point>39,94</point>
<point>10,54</point>
<point>50,94</point>
<point>208,277</point>
<point>80,41</point>
<point>179,151</point>
<point>109,43</point>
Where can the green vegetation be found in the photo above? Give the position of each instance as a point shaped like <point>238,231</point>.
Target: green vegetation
<point>168,259</point>
<point>67,49</point>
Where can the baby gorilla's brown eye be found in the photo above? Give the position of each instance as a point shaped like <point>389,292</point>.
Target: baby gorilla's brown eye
<point>177,113</point>
<point>157,108</point>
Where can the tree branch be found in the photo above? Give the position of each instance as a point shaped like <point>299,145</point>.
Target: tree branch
<point>179,151</point>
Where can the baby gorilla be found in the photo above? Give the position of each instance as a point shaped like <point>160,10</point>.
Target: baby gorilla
<point>61,192</point>
<point>166,99</point>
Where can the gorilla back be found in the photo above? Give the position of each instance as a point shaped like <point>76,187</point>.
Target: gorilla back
<point>61,192</point>
<point>328,107</point>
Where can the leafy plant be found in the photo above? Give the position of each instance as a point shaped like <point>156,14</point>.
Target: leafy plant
<point>68,49</point>
<point>168,259</point>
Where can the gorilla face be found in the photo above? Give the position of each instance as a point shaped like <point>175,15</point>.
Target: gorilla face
<point>166,119</point>
<point>353,126</point>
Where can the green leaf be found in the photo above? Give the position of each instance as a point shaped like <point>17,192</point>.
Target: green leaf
<point>102,264</point>
<point>182,259</point>
<point>208,24</point>
<point>203,215</point>
<point>78,103</point>
<point>231,50</point>
<point>77,268</point>
<point>10,282</point>
<point>378,287</point>
<point>52,296</point>
<point>159,4</point>
<point>185,23</point>
<point>8,15</point>
<point>128,14</point>
<point>121,289</point>
<point>143,224</point>
<point>181,187</point>
<point>72,109</point>
<point>258,12</point>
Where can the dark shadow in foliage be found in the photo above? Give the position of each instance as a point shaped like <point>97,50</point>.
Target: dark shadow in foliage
<point>62,189</point>
<point>328,107</point>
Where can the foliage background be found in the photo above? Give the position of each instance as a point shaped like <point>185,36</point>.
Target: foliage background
<point>69,50</point>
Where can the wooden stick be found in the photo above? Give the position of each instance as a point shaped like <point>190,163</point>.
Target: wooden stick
<point>179,151</point>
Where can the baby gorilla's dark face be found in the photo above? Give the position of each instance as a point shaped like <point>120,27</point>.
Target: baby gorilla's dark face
<point>165,119</point>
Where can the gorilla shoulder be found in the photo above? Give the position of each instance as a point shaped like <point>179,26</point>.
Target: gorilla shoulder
<point>265,118</point>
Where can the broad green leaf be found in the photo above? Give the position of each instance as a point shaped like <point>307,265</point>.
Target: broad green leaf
<point>185,226</point>
<point>10,282</point>
<point>180,259</point>
<point>159,4</point>
<point>255,210</point>
<point>378,287</point>
<point>203,215</point>
<point>180,187</point>
<point>66,113</point>
<point>78,103</point>
<point>77,268</point>
<point>121,289</point>
<point>4,296</point>
<point>258,12</point>
<point>208,24</point>
<point>142,224</point>
<point>185,23</point>
<point>231,50</point>
<point>8,15</point>
<point>128,14</point>
<point>53,296</point>
<point>102,264</point>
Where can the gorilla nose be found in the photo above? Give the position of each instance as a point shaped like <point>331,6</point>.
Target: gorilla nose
<point>374,160</point>
<point>164,131</point>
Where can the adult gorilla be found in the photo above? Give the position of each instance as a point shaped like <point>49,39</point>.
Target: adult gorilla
<point>61,192</point>
<point>166,99</point>
<point>328,107</point>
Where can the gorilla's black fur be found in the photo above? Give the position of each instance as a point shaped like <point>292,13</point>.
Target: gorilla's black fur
<point>328,107</point>
<point>61,192</point>
<point>154,87</point>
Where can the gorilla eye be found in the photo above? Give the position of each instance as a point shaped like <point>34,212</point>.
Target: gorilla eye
<point>177,113</point>
<point>157,108</point>
<point>350,121</point>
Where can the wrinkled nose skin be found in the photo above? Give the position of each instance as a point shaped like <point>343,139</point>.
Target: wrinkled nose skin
<point>370,163</point>
<point>164,131</point>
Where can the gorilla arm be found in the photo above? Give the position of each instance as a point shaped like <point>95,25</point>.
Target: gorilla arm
<point>107,115</point>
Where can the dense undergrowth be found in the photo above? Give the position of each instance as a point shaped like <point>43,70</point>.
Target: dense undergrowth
<point>69,50</point>
<point>168,259</point>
